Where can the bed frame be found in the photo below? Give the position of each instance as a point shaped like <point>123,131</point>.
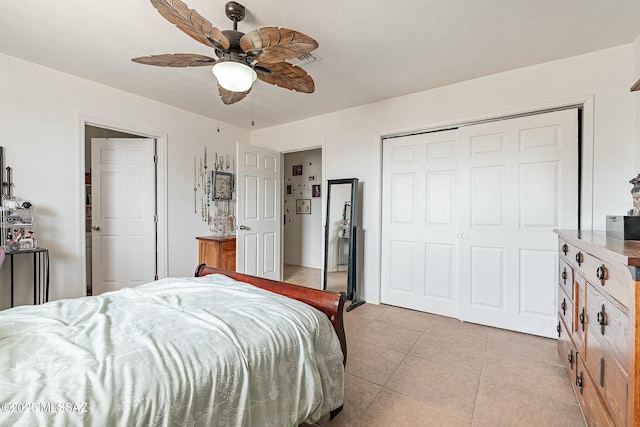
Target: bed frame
<point>329,302</point>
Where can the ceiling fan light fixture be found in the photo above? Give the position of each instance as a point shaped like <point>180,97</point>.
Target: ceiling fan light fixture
<point>235,76</point>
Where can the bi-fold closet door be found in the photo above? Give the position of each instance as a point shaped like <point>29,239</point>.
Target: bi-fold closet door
<point>468,216</point>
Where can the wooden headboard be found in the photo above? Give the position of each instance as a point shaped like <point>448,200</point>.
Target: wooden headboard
<point>329,302</point>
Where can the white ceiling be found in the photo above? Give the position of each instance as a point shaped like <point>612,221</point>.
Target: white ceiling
<point>369,50</point>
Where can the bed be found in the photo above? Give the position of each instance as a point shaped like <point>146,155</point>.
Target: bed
<point>220,349</point>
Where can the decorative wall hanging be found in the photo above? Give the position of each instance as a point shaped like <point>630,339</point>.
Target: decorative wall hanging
<point>303,206</point>
<point>296,170</point>
<point>315,190</point>
<point>222,185</point>
<point>216,187</point>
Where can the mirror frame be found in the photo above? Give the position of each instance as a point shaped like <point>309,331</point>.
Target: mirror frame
<point>352,269</point>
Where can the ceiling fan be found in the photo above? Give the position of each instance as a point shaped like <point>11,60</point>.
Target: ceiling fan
<point>241,58</point>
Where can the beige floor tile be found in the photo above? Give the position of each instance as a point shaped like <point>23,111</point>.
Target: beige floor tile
<point>455,354</point>
<point>458,330</point>
<point>504,404</point>
<point>434,383</point>
<point>382,334</point>
<point>371,362</point>
<point>410,319</point>
<point>536,348</point>
<point>358,395</point>
<point>552,380</point>
<point>391,409</point>
<point>369,311</point>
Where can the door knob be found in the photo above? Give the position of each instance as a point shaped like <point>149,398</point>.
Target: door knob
<point>95,228</point>
<point>243,227</point>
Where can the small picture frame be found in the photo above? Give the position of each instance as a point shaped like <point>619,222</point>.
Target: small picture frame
<point>297,170</point>
<point>222,185</point>
<point>312,178</point>
<point>288,188</point>
<point>303,206</point>
<point>315,190</point>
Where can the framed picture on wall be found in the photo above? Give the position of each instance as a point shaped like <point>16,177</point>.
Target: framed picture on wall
<point>296,170</point>
<point>222,185</point>
<point>315,190</point>
<point>303,206</point>
<point>312,178</point>
<point>288,188</point>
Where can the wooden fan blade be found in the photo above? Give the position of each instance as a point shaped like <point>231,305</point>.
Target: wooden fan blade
<point>273,44</point>
<point>229,97</point>
<point>191,22</point>
<point>285,75</point>
<point>176,60</point>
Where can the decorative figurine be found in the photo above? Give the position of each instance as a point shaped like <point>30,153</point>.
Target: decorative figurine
<point>635,195</point>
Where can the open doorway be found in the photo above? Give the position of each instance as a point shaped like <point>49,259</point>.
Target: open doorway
<point>102,195</point>
<point>302,235</point>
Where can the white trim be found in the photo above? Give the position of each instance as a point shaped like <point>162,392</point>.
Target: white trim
<point>161,190</point>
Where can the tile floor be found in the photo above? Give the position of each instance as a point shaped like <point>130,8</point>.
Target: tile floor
<point>407,368</point>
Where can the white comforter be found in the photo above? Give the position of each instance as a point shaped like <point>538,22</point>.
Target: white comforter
<point>192,351</point>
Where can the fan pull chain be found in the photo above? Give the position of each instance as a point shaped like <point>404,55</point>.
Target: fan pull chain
<point>252,110</point>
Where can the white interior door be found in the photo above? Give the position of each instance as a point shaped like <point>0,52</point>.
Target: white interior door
<point>518,181</point>
<point>258,217</point>
<point>123,210</point>
<point>419,249</point>
<point>468,219</point>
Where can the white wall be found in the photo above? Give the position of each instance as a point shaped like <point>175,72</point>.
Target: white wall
<point>303,236</point>
<point>356,133</point>
<point>40,116</point>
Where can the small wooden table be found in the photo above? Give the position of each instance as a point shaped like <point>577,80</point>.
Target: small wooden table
<point>217,252</point>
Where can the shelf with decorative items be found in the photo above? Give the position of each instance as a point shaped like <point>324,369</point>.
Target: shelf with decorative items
<point>17,221</point>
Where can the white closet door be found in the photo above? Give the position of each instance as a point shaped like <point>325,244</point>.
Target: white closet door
<point>468,218</point>
<point>419,248</point>
<point>518,181</point>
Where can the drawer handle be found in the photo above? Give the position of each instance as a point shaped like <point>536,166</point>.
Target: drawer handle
<point>570,359</point>
<point>579,258</point>
<point>579,381</point>
<point>558,329</point>
<point>601,273</point>
<point>563,306</point>
<point>581,318</point>
<point>564,275</point>
<point>601,371</point>
<point>565,249</point>
<point>602,319</point>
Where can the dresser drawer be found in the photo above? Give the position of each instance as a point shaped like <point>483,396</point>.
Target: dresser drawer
<point>566,350</point>
<point>607,323</point>
<point>565,309</point>
<point>593,408</point>
<point>613,280</point>
<point>565,278</point>
<point>610,382</point>
<point>580,319</point>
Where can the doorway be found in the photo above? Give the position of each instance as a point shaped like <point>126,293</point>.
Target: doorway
<point>107,193</point>
<point>302,235</point>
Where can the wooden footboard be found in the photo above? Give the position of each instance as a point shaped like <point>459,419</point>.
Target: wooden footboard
<point>330,303</point>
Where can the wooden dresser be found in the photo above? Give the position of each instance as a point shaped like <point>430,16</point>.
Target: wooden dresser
<point>217,252</point>
<point>597,324</point>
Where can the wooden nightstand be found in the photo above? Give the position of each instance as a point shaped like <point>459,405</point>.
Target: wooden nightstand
<point>218,252</point>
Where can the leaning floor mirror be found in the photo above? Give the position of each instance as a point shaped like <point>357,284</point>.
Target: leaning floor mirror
<point>341,239</point>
